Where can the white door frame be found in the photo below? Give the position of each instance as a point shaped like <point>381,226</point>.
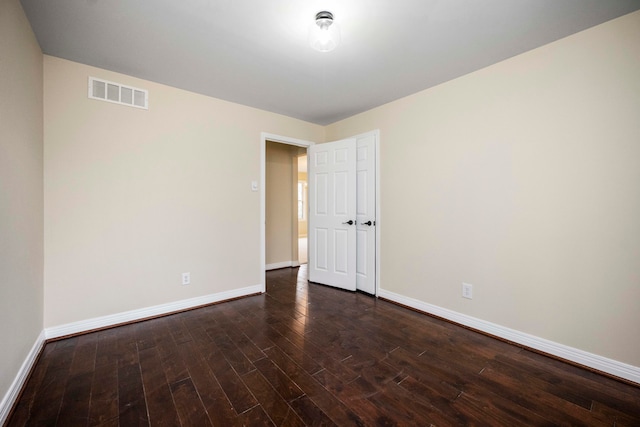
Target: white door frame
<point>264,137</point>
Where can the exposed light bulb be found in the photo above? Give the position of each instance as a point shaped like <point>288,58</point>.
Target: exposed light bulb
<point>324,34</point>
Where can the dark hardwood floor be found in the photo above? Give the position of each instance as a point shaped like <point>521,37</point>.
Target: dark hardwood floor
<point>310,355</point>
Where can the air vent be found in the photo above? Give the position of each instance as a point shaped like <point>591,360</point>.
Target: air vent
<point>118,94</point>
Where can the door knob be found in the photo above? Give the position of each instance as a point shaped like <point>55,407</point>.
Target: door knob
<point>366,223</point>
<point>350,222</point>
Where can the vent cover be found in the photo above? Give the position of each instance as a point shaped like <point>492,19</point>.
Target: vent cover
<point>118,94</point>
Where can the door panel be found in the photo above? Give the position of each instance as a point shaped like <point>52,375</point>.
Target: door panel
<point>321,255</point>
<point>321,195</point>
<point>341,251</point>
<point>361,262</point>
<point>366,213</point>
<point>332,204</point>
<point>341,189</point>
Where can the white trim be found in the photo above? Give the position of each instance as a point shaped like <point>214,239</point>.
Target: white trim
<point>590,360</point>
<point>378,211</point>
<point>282,264</point>
<point>18,382</point>
<point>286,140</point>
<point>264,137</point>
<point>143,313</point>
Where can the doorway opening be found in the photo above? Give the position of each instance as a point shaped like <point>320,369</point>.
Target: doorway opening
<point>286,202</point>
<point>297,148</point>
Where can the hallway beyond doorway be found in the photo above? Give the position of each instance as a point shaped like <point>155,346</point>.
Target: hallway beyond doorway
<point>302,250</point>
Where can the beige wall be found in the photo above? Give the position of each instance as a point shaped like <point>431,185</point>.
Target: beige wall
<point>133,198</point>
<point>21,253</point>
<point>523,180</point>
<point>280,203</point>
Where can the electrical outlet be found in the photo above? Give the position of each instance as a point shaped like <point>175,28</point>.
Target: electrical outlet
<point>467,291</point>
<point>186,278</point>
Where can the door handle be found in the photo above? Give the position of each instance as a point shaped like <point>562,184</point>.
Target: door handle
<point>350,222</point>
<point>369,223</point>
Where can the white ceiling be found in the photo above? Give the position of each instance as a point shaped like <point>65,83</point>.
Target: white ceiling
<point>255,52</point>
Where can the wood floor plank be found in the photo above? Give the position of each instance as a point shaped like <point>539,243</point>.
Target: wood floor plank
<point>22,409</point>
<point>234,388</point>
<point>232,353</point>
<point>159,399</point>
<point>214,399</point>
<point>255,416</point>
<point>356,395</point>
<point>74,410</point>
<point>549,406</point>
<point>322,357</point>
<point>306,354</point>
<point>614,394</point>
<point>132,405</point>
<point>173,365</point>
<point>48,400</point>
<point>444,412</point>
<point>620,418</point>
<point>310,413</point>
<point>280,412</point>
<point>161,408</point>
<point>177,329</point>
<point>485,413</point>
<point>295,351</point>
<point>251,351</point>
<point>126,345</point>
<point>423,373</point>
<point>280,381</point>
<point>106,349</point>
<point>103,407</point>
<point>188,404</point>
<point>256,332</point>
<point>333,407</point>
<point>84,356</point>
<point>406,411</point>
<point>562,391</point>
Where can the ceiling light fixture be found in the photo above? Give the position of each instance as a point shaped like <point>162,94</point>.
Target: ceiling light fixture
<point>324,35</point>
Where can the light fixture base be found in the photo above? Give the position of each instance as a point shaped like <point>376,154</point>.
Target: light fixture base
<point>324,35</point>
<point>324,15</point>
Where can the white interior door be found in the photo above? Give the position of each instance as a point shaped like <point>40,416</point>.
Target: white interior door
<point>366,213</point>
<point>332,214</point>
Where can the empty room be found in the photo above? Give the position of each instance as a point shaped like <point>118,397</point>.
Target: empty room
<point>464,177</point>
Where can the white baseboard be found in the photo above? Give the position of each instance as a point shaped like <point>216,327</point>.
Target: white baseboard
<point>12,394</point>
<point>284,264</point>
<point>603,364</point>
<point>143,313</point>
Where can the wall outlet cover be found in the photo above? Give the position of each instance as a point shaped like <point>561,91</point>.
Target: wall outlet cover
<point>467,291</point>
